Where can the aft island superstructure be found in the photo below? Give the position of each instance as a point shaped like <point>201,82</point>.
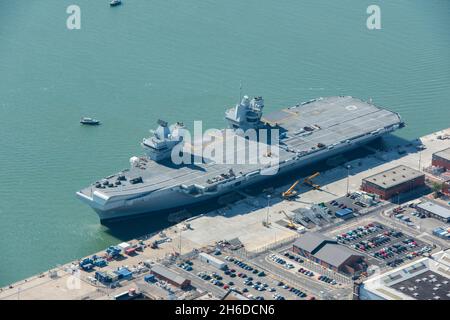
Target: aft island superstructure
<point>306,133</point>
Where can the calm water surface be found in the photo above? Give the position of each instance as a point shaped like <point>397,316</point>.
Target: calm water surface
<point>180,60</point>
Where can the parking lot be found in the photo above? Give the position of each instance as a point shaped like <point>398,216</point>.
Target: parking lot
<point>384,246</point>
<point>243,277</point>
<point>354,202</point>
<point>298,265</point>
<point>327,214</point>
<point>408,215</point>
<point>307,282</point>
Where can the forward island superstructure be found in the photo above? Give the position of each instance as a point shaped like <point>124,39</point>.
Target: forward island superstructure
<point>308,132</point>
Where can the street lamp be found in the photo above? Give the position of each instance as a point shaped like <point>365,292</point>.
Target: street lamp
<point>348,177</point>
<point>268,206</point>
<point>420,159</point>
<point>180,242</point>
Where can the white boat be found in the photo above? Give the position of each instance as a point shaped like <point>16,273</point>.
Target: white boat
<point>89,121</point>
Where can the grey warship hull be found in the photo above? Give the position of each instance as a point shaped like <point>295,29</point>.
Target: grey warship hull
<point>339,124</point>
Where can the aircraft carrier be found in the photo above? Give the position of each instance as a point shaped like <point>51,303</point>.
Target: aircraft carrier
<point>308,132</point>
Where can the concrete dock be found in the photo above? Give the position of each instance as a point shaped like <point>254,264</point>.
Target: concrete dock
<point>242,220</point>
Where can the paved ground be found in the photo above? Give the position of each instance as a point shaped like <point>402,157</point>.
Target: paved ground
<point>238,283</point>
<point>422,223</point>
<point>316,288</point>
<point>391,239</point>
<point>244,221</point>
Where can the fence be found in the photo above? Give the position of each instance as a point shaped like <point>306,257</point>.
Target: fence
<point>273,246</point>
<point>326,272</point>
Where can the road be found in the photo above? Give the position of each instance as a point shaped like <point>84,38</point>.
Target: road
<point>311,286</point>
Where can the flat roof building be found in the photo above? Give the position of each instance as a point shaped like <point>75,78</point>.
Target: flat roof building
<point>173,278</point>
<point>424,279</point>
<point>207,258</point>
<point>441,159</point>
<point>434,210</point>
<point>394,181</point>
<point>328,253</point>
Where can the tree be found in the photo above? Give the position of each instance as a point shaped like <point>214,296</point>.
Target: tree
<point>437,188</point>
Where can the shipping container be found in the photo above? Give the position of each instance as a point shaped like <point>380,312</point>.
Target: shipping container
<point>124,246</point>
<point>123,273</point>
<point>150,278</point>
<point>204,257</point>
<point>130,251</point>
<point>343,212</point>
<point>100,262</point>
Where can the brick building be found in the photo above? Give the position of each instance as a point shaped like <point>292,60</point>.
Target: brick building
<point>328,253</point>
<point>441,159</point>
<point>446,188</point>
<point>394,181</point>
<point>434,210</point>
<point>173,278</point>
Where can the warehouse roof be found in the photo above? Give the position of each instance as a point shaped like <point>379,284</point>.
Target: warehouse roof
<point>394,176</point>
<point>324,248</point>
<point>211,258</point>
<point>168,274</point>
<point>312,242</point>
<point>335,254</point>
<point>444,154</point>
<point>435,209</point>
<point>423,279</point>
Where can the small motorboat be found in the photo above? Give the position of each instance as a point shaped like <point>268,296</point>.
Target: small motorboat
<point>115,3</point>
<point>89,121</point>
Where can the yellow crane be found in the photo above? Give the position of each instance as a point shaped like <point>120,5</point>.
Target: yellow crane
<point>290,224</point>
<point>310,183</point>
<point>290,193</point>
